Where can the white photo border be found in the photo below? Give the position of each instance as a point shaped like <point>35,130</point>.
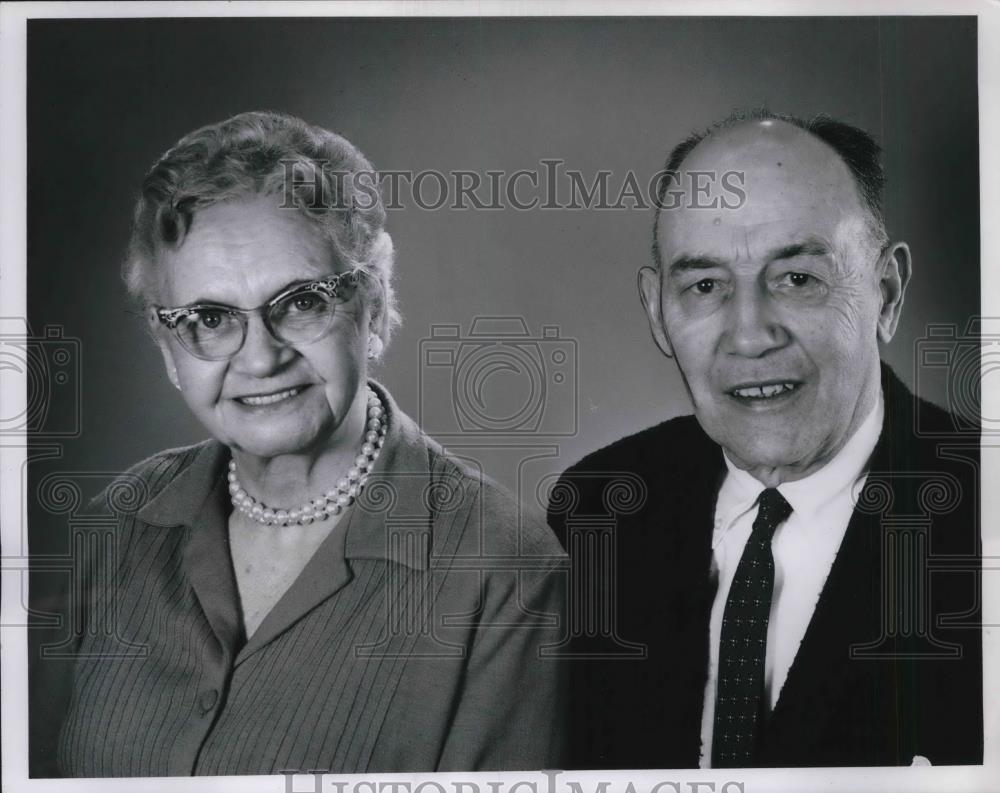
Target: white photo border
<point>13,257</point>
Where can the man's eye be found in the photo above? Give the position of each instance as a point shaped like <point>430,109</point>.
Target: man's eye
<point>800,286</point>
<point>705,286</point>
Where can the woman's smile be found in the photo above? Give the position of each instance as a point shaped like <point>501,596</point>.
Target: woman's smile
<point>271,398</point>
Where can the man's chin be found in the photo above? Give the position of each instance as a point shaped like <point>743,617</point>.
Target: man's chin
<point>772,463</point>
<point>753,447</point>
<point>756,459</point>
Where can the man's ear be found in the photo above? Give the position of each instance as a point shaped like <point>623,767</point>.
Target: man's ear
<point>156,330</point>
<point>649,293</point>
<point>895,267</point>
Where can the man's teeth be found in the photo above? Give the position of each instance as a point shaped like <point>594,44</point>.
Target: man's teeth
<point>269,399</point>
<point>763,391</point>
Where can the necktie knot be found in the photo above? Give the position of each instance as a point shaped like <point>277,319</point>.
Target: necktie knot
<point>772,511</point>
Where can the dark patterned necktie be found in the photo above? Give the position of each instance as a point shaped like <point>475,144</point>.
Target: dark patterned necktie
<point>739,702</point>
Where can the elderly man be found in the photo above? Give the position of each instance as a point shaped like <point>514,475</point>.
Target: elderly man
<point>766,597</point>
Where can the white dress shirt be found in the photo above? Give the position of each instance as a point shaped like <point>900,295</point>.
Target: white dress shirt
<point>804,547</point>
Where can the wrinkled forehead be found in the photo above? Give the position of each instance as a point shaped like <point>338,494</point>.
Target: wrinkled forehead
<point>242,249</point>
<point>760,183</point>
<point>252,224</point>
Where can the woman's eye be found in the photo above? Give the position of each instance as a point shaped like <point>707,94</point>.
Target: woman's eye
<point>210,319</point>
<point>799,279</point>
<point>305,302</point>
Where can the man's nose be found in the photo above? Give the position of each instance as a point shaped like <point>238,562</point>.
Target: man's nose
<point>261,353</point>
<point>753,329</point>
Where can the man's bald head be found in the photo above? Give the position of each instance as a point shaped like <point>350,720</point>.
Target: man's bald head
<point>855,149</point>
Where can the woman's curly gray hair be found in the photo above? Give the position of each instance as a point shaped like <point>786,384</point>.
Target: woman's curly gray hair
<point>318,173</point>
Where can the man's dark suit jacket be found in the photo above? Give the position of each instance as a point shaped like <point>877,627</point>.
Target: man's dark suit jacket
<point>890,667</point>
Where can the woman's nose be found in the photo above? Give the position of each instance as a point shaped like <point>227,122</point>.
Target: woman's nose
<point>261,353</point>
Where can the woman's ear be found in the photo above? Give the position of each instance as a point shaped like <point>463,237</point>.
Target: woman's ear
<point>375,345</point>
<point>378,330</point>
<point>153,324</point>
<point>156,330</point>
<point>168,361</point>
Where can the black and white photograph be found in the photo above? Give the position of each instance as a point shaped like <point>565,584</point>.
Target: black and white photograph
<point>490,397</point>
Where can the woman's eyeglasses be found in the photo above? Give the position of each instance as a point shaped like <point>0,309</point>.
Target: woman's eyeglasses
<point>299,315</point>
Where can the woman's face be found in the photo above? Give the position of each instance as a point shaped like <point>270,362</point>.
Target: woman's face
<point>242,254</point>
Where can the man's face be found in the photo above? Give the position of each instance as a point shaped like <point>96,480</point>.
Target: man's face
<point>773,310</point>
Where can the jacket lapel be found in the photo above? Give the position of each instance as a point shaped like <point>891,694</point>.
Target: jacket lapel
<point>692,590</point>
<point>821,672</point>
<point>325,574</point>
<point>195,500</point>
<point>208,562</point>
<point>847,614</point>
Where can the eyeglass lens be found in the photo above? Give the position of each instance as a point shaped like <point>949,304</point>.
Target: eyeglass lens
<point>300,318</point>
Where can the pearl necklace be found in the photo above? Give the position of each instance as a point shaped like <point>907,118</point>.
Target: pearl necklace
<point>333,501</point>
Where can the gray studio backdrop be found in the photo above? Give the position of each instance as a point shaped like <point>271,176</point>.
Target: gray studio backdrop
<point>107,97</point>
<point>571,366</point>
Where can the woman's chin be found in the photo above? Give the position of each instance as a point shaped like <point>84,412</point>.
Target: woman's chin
<point>274,444</point>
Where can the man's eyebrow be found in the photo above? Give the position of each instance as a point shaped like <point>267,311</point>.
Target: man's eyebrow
<point>808,247</point>
<point>683,263</point>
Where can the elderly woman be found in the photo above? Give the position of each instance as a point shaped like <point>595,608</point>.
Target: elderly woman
<point>290,590</point>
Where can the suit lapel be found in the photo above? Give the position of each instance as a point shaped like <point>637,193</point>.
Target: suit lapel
<point>821,671</point>
<point>693,587</point>
<point>847,613</point>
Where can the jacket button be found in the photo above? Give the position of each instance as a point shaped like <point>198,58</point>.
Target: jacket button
<point>208,699</point>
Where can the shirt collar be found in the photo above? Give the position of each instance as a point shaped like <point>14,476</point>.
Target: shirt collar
<point>810,495</point>
<point>182,499</point>
<point>400,482</point>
